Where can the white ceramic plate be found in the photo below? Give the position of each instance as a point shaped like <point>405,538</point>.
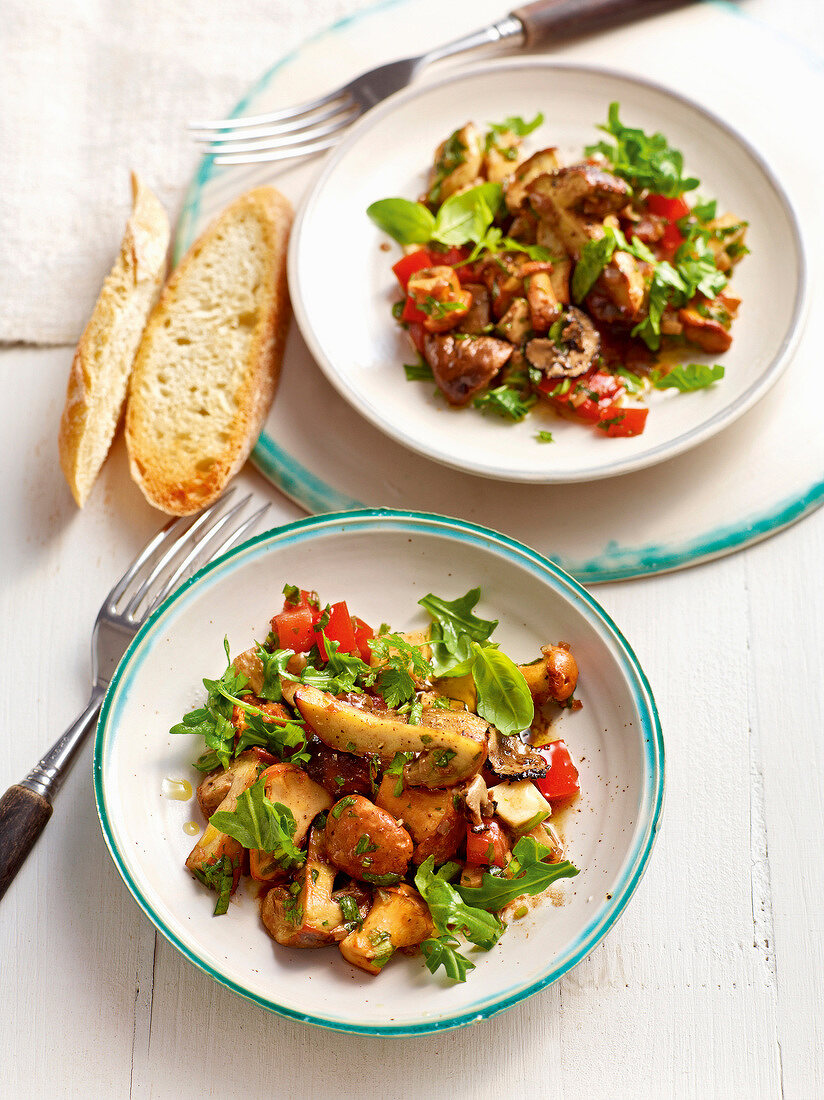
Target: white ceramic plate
<point>342,285</point>
<point>381,563</point>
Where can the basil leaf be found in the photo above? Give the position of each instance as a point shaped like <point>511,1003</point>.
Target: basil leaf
<point>503,696</point>
<point>526,873</point>
<point>441,952</point>
<point>449,912</point>
<point>467,216</point>
<point>595,255</point>
<point>257,822</point>
<point>688,377</point>
<point>406,221</point>
<point>454,628</point>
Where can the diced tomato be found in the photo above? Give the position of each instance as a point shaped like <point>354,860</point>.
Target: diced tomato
<point>294,627</point>
<point>587,396</point>
<point>411,312</point>
<point>263,868</point>
<point>339,629</point>
<point>363,632</point>
<point>452,256</point>
<point>415,261</point>
<point>617,421</point>
<point>561,779</point>
<point>664,207</point>
<point>673,210</point>
<point>417,334</point>
<point>487,846</point>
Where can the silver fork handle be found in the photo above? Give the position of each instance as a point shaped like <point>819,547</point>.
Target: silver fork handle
<point>508,30</point>
<point>26,807</point>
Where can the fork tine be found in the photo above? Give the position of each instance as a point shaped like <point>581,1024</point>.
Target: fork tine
<point>227,137</point>
<point>171,530</point>
<point>296,109</point>
<point>298,138</point>
<point>278,154</point>
<point>202,523</point>
<point>190,562</point>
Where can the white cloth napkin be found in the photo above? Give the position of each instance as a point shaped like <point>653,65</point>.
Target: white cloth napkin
<point>91,89</point>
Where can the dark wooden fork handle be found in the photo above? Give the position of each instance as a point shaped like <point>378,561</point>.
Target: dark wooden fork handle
<point>548,21</point>
<point>24,815</point>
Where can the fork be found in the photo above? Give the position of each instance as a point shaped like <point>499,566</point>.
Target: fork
<point>317,124</point>
<point>175,552</point>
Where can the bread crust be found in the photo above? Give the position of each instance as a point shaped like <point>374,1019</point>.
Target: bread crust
<point>102,363</point>
<point>168,479</point>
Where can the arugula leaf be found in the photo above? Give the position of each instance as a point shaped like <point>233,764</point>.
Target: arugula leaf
<point>505,401</point>
<point>219,876</point>
<point>666,284</point>
<point>449,912</point>
<point>687,377</point>
<point>454,627</point>
<point>213,722</point>
<point>516,125</point>
<point>274,667</point>
<point>595,255</point>
<point>406,221</point>
<point>441,952</point>
<point>467,216</point>
<point>526,873</point>
<point>257,822</point>
<point>503,696</point>
<point>643,160</point>
<point>208,761</point>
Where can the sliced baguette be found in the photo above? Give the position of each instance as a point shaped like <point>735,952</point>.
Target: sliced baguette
<point>100,370</point>
<point>208,364</point>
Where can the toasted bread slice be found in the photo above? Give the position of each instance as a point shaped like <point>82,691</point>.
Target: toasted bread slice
<point>208,364</point>
<point>101,366</point>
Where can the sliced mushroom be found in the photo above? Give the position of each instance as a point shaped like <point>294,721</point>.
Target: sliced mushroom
<point>398,918</point>
<point>502,156</point>
<point>461,743</point>
<point>510,758</point>
<point>553,676</point>
<point>310,916</point>
<point>623,282</point>
<point>290,786</point>
<point>575,200</point>
<point>213,845</point>
<point>430,817</point>
<point>463,368</point>
<point>457,164</point>
<point>478,317</point>
<point>476,802</point>
<point>705,332</point>
<point>516,324</point>
<point>539,164</point>
<point>251,666</point>
<point>543,305</point>
<point>579,348</point>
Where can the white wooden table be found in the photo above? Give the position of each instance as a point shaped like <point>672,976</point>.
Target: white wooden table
<point>712,983</point>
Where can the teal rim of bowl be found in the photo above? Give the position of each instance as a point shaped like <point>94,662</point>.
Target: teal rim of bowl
<point>652,791</point>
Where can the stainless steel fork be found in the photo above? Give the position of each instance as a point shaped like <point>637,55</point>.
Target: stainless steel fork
<point>318,124</point>
<point>175,552</point>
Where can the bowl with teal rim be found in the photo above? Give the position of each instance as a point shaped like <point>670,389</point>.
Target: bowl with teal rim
<point>381,562</point>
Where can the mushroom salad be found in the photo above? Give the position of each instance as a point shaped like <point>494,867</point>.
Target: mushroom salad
<point>390,792</point>
<point>580,287</point>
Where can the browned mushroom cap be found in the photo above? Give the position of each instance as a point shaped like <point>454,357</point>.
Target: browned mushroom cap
<point>464,367</point>
<point>579,348</point>
<point>583,188</point>
<point>510,758</point>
